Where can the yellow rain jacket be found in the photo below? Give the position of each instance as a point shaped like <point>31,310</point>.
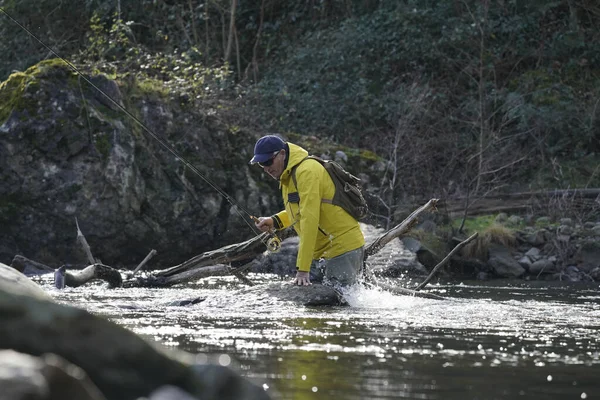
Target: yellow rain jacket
<point>325,230</point>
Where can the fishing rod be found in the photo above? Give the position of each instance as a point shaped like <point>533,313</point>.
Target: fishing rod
<point>273,243</point>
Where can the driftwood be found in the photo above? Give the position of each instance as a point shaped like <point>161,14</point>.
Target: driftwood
<point>94,272</point>
<point>212,263</point>
<point>218,263</point>
<point>507,202</point>
<point>86,247</point>
<point>144,261</point>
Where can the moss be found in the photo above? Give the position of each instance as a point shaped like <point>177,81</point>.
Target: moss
<point>475,224</point>
<point>11,94</point>
<point>148,87</point>
<point>13,91</point>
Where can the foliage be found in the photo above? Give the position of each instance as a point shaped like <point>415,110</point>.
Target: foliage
<point>112,49</point>
<point>459,98</point>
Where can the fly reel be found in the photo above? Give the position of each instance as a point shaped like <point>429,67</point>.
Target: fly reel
<point>274,244</point>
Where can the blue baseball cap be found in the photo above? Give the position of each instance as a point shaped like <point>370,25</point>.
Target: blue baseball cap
<point>265,147</point>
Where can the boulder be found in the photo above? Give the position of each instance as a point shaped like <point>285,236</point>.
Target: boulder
<point>515,220</point>
<point>503,264</point>
<point>48,377</point>
<point>169,392</point>
<point>538,238</point>
<point>128,193</point>
<point>588,256</point>
<point>543,265</point>
<point>120,363</point>
<point>533,254</point>
<point>12,281</point>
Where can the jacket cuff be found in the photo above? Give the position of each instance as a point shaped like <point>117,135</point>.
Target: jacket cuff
<point>277,224</point>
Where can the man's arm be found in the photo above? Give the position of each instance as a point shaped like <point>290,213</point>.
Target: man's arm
<point>309,189</point>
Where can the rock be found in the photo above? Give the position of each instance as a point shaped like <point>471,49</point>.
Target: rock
<point>222,383</point>
<point>425,256</point>
<point>542,266</point>
<point>503,264</point>
<point>483,276</point>
<point>25,377</point>
<point>538,238</point>
<point>411,244</point>
<point>566,230</point>
<point>29,267</point>
<point>525,262</point>
<point>566,221</point>
<point>340,157</point>
<point>282,263</point>
<point>169,392</point>
<point>542,221</point>
<point>186,302</point>
<point>573,273</point>
<point>427,226</point>
<point>120,363</point>
<point>515,220</point>
<point>589,225</point>
<point>588,255</point>
<point>123,188</point>
<point>501,217</point>
<point>533,254</point>
<point>313,295</point>
<point>12,281</point>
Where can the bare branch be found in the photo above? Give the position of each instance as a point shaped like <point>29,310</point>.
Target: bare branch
<point>445,261</point>
<point>84,244</point>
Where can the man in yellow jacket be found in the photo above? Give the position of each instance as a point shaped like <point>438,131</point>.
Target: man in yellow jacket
<point>331,245</point>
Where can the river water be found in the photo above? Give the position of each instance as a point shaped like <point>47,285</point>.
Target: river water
<point>500,340</point>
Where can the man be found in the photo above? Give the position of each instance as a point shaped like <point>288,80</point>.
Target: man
<point>331,243</point>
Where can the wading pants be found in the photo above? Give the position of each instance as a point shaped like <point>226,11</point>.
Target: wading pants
<point>343,270</point>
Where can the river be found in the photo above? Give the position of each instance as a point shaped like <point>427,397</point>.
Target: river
<point>498,340</point>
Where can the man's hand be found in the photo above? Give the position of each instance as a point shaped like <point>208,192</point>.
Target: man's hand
<point>265,224</point>
<point>302,279</point>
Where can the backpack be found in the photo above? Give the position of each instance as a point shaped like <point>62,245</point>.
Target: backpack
<point>348,193</point>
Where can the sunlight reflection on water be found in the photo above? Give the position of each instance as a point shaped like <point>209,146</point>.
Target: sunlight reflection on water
<point>483,342</point>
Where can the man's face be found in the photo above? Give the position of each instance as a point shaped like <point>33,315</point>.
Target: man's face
<point>275,169</point>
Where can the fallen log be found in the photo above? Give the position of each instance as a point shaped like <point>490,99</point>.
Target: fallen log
<point>94,272</point>
<point>212,263</point>
<point>217,263</point>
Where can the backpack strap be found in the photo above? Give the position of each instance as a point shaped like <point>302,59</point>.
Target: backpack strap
<point>328,201</point>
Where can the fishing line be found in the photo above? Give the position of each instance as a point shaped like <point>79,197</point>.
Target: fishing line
<point>271,244</point>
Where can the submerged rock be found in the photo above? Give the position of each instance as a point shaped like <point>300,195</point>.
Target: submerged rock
<point>313,295</point>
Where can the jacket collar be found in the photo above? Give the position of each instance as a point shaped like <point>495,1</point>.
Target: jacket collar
<point>296,155</point>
